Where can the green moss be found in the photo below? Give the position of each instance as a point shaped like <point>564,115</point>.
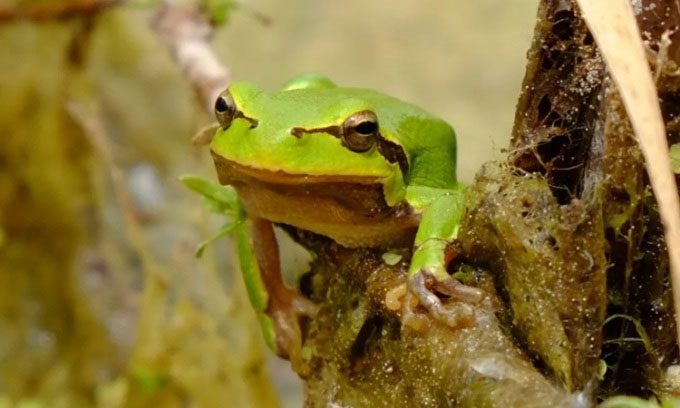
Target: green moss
<point>549,261</point>
<point>360,355</point>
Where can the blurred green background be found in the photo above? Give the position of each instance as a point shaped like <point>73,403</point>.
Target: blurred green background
<point>102,302</point>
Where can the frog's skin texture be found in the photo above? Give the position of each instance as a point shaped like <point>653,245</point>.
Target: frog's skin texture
<point>360,167</point>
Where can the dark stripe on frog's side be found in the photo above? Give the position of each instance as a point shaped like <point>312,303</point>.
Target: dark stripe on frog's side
<point>391,151</point>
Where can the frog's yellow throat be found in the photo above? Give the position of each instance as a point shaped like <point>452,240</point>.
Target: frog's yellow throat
<point>351,210</point>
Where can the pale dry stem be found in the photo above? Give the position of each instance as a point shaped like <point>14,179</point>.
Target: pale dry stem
<point>186,32</point>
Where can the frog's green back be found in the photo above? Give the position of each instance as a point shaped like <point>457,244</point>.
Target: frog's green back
<point>429,142</point>
<point>308,80</point>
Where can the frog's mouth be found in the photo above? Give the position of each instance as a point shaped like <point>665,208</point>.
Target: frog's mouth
<point>349,209</point>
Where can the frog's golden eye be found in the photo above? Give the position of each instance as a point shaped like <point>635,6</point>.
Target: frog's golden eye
<point>360,131</point>
<point>225,109</point>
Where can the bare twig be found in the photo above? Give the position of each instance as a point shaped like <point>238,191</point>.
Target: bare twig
<point>186,32</point>
<point>39,11</point>
<point>90,121</point>
<point>613,25</point>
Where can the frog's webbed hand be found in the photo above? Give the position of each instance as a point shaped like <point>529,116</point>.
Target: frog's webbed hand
<point>279,308</point>
<point>427,275</point>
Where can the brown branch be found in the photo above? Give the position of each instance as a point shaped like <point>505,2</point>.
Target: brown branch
<point>186,32</point>
<point>54,10</point>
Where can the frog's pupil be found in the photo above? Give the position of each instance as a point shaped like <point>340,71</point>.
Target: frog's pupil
<point>366,128</point>
<point>221,105</point>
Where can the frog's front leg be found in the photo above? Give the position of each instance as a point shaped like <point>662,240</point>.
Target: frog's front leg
<point>427,275</point>
<point>279,308</point>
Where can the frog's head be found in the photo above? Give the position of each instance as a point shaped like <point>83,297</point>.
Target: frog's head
<point>308,134</point>
<point>315,144</point>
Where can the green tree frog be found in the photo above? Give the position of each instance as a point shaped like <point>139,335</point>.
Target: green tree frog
<point>357,166</point>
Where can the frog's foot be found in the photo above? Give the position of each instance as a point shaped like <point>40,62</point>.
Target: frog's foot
<point>286,313</point>
<point>425,289</point>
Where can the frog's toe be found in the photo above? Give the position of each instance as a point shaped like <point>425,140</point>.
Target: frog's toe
<point>424,289</point>
<point>304,307</point>
<point>286,318</point>
<point>452,288</point>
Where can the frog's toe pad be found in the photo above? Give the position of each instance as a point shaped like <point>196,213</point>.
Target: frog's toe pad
<point>286,318</point>
<point>423,289</point>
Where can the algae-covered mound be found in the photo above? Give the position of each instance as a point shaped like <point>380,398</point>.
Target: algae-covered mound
<point>359,354</point>
<point>550,263</point>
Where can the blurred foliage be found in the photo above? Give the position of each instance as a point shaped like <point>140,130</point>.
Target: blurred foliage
<point>218,199</point>
<point>102,301</point>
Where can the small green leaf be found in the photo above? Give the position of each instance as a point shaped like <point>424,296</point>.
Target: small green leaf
<point>219,10</point>
<point>150,381</point>
<point>216,207</point>
<point>208,188</point>
<point>465,275</point>
<point>675,158</point>
<point>217,198</point>
<point>391,258</point>
<point>602,370</point>
<point>224,230</point>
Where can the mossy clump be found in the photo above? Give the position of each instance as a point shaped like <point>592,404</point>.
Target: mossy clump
<point>359,354</point>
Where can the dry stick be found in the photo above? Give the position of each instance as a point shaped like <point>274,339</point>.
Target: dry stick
<point>89,120</point>
<point>186,32</point>
<point>615,30</point>
<point>37,11</point>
